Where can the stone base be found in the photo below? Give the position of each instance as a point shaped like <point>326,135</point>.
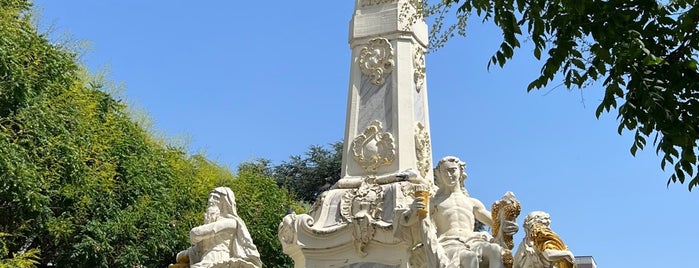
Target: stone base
<point>339,232</point>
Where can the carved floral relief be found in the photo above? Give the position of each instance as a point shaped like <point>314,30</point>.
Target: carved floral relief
<point>373,148</point>
<point>419,67</point>
<point>376,60</point>
<point>423,149</point>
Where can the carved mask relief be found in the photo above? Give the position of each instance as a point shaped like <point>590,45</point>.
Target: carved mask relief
<point>361,207</point>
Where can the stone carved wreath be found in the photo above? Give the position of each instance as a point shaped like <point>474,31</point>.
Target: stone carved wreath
<point>374,148</point>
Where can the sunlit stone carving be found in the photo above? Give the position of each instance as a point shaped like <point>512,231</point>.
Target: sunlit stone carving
<point>376,60</point>
<point>373,148</point>
<point>541,247</point>
<point>423,150</point>
<point>419,66</point>
<point>223,241</point>
<point>447,235</point>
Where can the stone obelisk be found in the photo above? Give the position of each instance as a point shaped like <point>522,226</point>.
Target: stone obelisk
<point>387,157</point>
<point>387,125</point>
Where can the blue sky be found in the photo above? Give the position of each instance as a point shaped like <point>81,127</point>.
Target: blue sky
<point>265,79</point>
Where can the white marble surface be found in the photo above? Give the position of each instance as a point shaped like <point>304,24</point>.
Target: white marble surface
<point>223,240</point>
<point>529,253</point>
<point>448,234</point>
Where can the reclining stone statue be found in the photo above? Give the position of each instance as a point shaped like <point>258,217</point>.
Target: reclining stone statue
<point>448,234</point>
<point>223,241</point>
<point>541,247</point>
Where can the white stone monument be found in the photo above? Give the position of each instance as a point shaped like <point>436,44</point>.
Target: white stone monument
<point>387,148</point>
<point>223,241</point>
<point>386,211</point>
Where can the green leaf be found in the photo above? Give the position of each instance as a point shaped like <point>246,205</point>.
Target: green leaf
<point>500,58</point>
<point>600,109</point>
<point>578,63</point>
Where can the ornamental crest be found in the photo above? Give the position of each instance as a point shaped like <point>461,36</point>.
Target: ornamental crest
<point>374,148</point>
<point>361,207</point>
<point>376,60</point>
<point>419,67</point>
<point>423,149</point>
<point>363,202</point>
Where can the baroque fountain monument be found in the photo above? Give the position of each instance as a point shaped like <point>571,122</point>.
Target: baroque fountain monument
<point>391,208</point>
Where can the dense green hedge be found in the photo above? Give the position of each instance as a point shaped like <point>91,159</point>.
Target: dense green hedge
<point>82,184</point>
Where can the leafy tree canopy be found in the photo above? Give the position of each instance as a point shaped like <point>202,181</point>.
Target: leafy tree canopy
<point>311,174</point>
<point>262,205</point>
<point>83,184</point>
<point>644,53</point>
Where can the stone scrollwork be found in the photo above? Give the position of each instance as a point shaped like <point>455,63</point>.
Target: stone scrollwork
<point>423,149</point>
<point>419,66</point>
<point>376,60</point>
<point>362,202</point>
<point>286,231</point>
<point>374,148</point>
<point>361,207</point>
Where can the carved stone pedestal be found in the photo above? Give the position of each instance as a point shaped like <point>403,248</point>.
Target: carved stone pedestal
<point>350,228</point>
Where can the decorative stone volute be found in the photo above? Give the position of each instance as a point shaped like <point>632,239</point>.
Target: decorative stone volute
<point>376,60</point>
<point>373,148</point>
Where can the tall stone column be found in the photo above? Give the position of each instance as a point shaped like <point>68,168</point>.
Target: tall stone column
<point>387,125</point>
<point>387,153</point>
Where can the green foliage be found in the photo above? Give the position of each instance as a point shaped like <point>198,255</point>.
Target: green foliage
<point>643,52</point>
<point>262,205</point>
<point>25,259</point>
<point>310,175</point>
<point>87,184</point>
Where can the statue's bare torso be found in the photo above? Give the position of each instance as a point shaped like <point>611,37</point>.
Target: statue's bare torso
<point>453,215</point>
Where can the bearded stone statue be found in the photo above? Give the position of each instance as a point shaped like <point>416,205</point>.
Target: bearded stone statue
<point>223,241</point>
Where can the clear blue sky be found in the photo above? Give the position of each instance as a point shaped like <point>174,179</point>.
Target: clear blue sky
<point>249,79</point>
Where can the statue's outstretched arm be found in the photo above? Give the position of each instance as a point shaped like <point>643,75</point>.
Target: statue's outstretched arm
<point>209,230</point>
<point>481,213</point>
<point>354,182</point>
<point>553,255</point>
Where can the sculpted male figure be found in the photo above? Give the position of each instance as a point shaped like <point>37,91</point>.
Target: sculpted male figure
<point>453,213</point>
<point>223,240</point>
<point>541,247</point>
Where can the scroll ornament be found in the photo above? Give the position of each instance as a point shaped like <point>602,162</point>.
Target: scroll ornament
<point>376,60</point>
